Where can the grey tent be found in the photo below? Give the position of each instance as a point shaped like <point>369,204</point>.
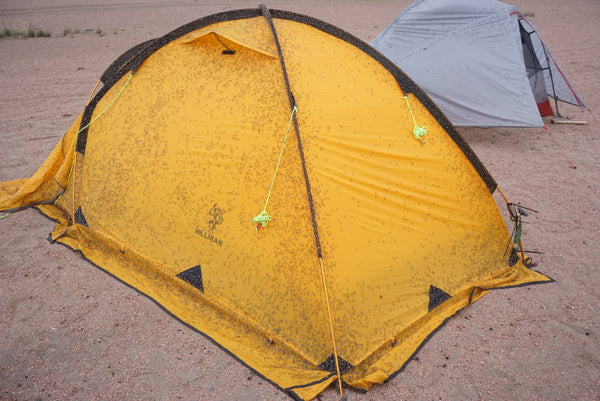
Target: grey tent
<point>481,61</point>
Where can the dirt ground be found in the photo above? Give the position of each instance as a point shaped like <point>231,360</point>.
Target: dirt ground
<point>68,331</point>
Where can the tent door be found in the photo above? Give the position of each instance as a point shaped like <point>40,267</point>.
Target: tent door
<point>535,73</point>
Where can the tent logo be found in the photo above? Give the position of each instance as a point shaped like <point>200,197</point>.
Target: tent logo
<point>215,218</point>
<point>216,214</point>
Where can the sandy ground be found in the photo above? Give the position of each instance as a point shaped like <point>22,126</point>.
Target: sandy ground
<point>68,331</point>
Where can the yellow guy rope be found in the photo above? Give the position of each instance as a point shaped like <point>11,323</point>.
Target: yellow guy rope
<point>71,172</point>
<point>77,136</point>
<point>418,132</point>
<point>263,218</point>
<point>88,102</point>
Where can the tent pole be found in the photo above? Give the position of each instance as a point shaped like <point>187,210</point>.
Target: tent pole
<point>550,73</point>
<point>267,14</point>
<point>329,315</point>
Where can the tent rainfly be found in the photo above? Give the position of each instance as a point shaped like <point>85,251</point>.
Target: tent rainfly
<point>481,61</point>
<point>281,187</point>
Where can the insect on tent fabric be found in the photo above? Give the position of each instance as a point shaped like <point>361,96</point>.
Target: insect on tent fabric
<point>481,61</point>
<point>279,186</point>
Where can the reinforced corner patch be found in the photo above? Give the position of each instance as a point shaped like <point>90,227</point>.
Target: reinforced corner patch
<point>329,364</point>
<point>80,218</point>
<point>193,276</point>
<point>436,297</point>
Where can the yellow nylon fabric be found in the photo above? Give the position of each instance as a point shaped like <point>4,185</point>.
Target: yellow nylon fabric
<point>47,182</point>
<point>176,168</point>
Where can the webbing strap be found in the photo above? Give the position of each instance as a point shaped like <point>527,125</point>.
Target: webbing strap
<point>263,218</point>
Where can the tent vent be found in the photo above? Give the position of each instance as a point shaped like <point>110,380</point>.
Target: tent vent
<point>436,297</point>
<point>80,218</point>
<point>329,365</point>
<point>193,276</point>
<point>228,52</point>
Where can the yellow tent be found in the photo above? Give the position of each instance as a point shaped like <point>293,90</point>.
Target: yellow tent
<point>278,185</point>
